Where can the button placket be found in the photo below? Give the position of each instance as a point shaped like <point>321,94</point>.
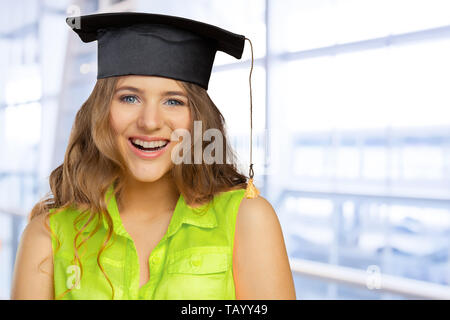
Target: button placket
<point>156,261</point>
<point>132,269</point>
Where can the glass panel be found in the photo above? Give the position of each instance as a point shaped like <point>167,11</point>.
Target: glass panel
<point>369,89</point>
<point>303,25</point>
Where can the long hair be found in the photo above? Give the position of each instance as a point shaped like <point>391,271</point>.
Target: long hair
<point>92,163</point>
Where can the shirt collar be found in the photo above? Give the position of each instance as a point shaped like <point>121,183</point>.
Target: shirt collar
<point>203,216</point>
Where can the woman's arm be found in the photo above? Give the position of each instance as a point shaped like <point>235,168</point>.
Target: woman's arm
<point>260,263</point>
<point>32,280</point>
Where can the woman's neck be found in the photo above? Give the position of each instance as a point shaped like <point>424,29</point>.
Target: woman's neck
<point>147,201</point>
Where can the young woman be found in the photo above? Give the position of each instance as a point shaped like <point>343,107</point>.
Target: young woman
<point>127,222</point>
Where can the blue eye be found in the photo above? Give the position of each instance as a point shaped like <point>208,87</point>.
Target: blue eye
<point>129,99</point>
<point>179,103</point>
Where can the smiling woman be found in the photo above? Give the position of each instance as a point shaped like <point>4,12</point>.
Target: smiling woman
<point>125,221</point>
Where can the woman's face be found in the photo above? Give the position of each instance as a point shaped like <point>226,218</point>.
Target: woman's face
<point>144,112</point>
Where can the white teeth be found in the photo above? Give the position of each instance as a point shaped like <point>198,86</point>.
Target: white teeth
<point>153,144</point>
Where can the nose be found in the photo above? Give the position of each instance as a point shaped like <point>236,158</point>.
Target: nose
<point>150,117</point>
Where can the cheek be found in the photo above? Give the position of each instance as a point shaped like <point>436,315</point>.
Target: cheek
<point>118,119</point>
<point>184,120</point>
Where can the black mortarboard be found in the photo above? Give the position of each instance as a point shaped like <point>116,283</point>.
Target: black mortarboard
<point>155,44</point>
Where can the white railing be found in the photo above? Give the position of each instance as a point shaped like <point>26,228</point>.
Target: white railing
<point>370,281</point>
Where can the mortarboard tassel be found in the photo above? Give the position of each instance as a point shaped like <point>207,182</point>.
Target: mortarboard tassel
<point>251,191</point>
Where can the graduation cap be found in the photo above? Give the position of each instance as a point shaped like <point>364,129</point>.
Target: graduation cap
<point>154,44</point>
<point>135,43</point>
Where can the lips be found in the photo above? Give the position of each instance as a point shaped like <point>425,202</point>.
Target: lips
<point>137,144</point>
<point>148,139</point>
<point>146,154</point>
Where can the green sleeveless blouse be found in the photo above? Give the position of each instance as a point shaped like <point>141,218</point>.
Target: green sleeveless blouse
<point>193,260</point>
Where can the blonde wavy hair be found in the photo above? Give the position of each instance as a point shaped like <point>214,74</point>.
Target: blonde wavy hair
<point>92,163</point>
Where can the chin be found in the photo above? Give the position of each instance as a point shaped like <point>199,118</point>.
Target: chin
<point>149,173</point>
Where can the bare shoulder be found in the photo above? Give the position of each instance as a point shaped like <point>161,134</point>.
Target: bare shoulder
<point>256,212</point>
<point>33,269</point>
<point>256,218</point>
<point>36,226</point>
<point>36,235</point>
<point>261,267</point>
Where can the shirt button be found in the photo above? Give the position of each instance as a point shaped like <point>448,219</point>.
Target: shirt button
<point>196,261</point>
<point>155,260</point>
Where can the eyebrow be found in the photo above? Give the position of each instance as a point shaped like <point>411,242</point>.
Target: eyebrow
<point>164,94</point>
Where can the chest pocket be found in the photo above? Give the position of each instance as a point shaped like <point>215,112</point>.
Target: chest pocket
<point>198,273</point>
<point>198,261</point>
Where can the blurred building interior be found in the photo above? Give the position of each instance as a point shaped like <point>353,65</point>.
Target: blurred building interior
<point>351,140</point>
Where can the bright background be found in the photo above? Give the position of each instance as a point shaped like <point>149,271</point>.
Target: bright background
<point>351,127</point>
